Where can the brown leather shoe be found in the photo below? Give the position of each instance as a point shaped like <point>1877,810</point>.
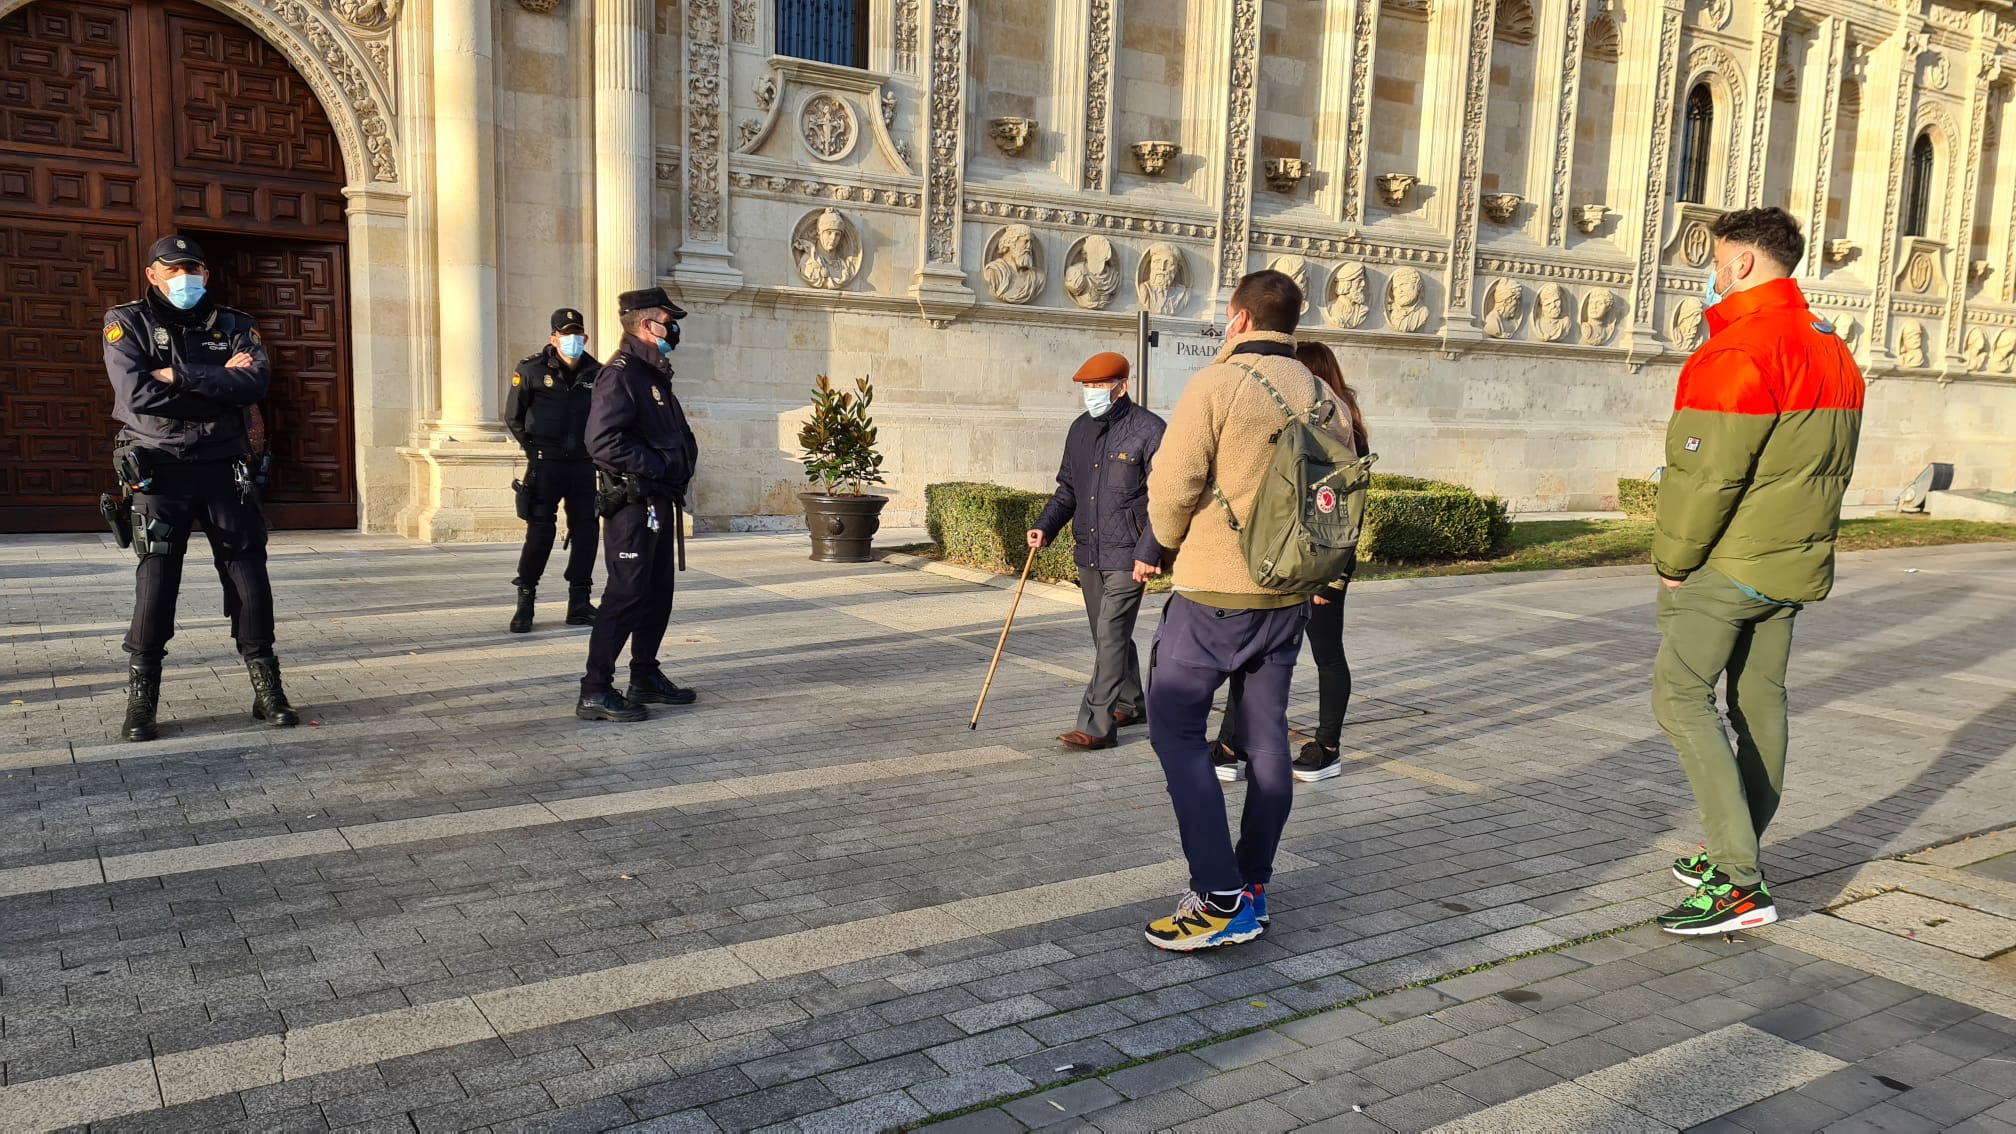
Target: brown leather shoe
<point>1077,739</point>
<point>1126,720</point>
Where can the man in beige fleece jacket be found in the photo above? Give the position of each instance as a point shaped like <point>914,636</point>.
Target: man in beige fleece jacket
<point>1219,622</point>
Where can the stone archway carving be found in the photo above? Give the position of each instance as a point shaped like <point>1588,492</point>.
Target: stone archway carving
<point>354,94</point>
<point>1711,64</point>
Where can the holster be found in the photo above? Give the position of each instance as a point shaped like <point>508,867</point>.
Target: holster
<point>613,491</point>
<point>134,466</point>
<point>118,513</point>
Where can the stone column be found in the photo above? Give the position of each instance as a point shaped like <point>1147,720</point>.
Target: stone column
<point>625,157</point>
<point>1830,46</point>
<point>705,265</point>
<point>1461,38</point>
<point>1893,86</point>
<point>1235,205</point>
<point>1552,164</point>
<point>1095,165</point>
<point>465,229</point>
<point>1763,88</point>
<point>1352,177</point>
<point>1987,71</point>
<point>939,287</point>
<point>382,338</point>
<point>1652,76</point>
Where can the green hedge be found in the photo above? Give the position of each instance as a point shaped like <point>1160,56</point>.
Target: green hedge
<point>1407,519</point>
<point>987,525</point>
<point>1638,499</point>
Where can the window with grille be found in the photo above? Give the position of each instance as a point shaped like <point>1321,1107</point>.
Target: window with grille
<point>1695,140</point>
<point>1918,187</point>
<point>828,31</point>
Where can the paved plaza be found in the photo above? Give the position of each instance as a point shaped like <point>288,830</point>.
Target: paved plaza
<point>816,900</point>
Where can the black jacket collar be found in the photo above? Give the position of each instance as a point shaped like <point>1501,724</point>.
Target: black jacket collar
<point>1263,346</point>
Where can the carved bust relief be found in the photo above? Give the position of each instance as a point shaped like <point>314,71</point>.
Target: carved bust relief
<point>827,249</point>
<point>1405,310</point>
<point>1849,328</point>
<point>1014,268</point>
<point>1911,344</point>
<point>1505,305</point>
<point>1683,330</point>
<point>1551,319</point>
<point>1975,348</point>
<point>1297,269</point>
<point>1162,283</point>
<point>1599,317</point>
<point>2004,357</point>
<point>1091,273</point>
<point>1350,296</point>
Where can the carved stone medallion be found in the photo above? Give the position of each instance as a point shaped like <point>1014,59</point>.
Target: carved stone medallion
<point>1091,272</point>
<point>1162,282</point>
<point>1349,296</point>
<point>827,125</point>
<point>1599,317</point>
<point>1911,344</point>
<point>1683,330</point>
<point>1297,269</point>
<point>1504,307</point>
<point>1405,309</point>
<point>826,247</point>
<point>2004,358</point>
<point>1976,351</point>
<point>1697,245</point>
<point>1551,317</point>
<point>1014,264</point>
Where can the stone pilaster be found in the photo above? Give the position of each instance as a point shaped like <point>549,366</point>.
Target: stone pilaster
<point>1897,88</point>
<point>1353,174</point>
<point>1553,164</point>
<point>1966,190</point>
<point>1242,109</point>
<point>625,157</point>
<point>1770,41</point>
<point>1463,33</point>
<point>1096,163</point>
<point>1820,114</point>
<point>1656,77</point>
<point>939,286</point>
<point>465,235</point>
<point>383,336</point>
<point>705,267</point>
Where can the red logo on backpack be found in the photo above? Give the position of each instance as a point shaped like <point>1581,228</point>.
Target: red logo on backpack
<point>1326,500</point>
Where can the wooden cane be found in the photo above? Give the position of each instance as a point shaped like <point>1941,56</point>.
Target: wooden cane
<point>1026,564</point>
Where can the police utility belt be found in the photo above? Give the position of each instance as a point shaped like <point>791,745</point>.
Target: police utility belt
<point>136,466</point>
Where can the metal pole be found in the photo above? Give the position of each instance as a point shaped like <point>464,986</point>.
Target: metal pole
<point>1142,339</point>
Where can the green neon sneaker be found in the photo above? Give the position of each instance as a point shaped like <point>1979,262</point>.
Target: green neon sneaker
<point>1694,867</point>
<point>1720,906</point>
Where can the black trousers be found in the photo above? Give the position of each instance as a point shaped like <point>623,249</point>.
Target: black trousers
<point>640,565</point>
<point>553,484</point>
<point>179,497</point>
<point>1333,677</point>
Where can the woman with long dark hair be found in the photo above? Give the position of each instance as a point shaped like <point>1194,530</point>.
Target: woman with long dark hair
<point>1318,759</point>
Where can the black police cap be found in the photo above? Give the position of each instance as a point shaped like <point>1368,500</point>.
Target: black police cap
<point>645,299</point>
<point>567,319</point>
<point>175,250</point>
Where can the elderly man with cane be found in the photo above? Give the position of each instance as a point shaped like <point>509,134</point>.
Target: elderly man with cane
<point>1102,492</point>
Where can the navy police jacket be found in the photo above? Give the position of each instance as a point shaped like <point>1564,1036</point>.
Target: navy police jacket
<point>201,415</point>
<point>636,425</point>
<point>1102,488</point>
<point>547,410</point>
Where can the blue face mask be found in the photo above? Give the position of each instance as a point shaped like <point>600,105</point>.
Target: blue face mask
<point>664,346</point>
<point>184,291</point>
<point>571,346</point>
<point>1098,401</point>
<point>1710,294</point>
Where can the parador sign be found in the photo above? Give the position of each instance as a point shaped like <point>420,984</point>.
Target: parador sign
<point>1174,358</point>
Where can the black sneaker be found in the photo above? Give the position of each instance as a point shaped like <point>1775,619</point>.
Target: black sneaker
<point>1692,868</point>
<point>657,689</point>
<point>1720,906</point>
<point>1228,762</point>
<point>609,706</point>
<point>1317,763</point>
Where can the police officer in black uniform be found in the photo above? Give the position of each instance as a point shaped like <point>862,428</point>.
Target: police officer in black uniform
<point>548,413</point>
<point>645,453</point>
<point>186,372</point>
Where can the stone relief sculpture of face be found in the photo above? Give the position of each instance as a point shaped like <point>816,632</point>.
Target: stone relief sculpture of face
<point>1911,344</point>
<point>2004,358</point>
<point>1684,331</point>
<point>1012,273</point>
<point>1976,349</point>
<point>1550,314</point>
<point>1599,317</point>
<point>1297,269</point>
<point>1160,285</point>
<point>1506,300</point>
<point>1090,276</point>
<point>1349,296</point>
<point>827,249</point>
<point>1404,309</point>
<point>1850,330</point>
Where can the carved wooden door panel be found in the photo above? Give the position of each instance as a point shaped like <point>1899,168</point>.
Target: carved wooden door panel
<point>123,122</point>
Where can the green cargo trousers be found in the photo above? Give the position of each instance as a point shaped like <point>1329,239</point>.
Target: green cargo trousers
<point>1708,626</point>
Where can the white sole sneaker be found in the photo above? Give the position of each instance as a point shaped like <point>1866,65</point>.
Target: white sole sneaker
<point>1230,773</point>
<point>1752,920</point>
<point>1327,771</point>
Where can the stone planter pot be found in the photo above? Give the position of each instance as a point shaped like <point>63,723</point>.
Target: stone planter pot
<point>842,527</point>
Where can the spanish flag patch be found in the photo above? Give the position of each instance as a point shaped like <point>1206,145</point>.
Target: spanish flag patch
<point>515,380</point>
<point>114,332</point>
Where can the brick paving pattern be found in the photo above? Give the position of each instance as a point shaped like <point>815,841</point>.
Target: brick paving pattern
<point>408,914</point>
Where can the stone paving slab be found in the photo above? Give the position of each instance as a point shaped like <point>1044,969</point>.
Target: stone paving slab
<point>1506,793</point>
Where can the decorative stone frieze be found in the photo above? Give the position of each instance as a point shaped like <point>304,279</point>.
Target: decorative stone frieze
<point>792,187</point>
<point>1088,218</point>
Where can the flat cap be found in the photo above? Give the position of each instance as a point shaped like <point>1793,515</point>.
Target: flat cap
<point>646,298</point>
<point>175,250</point>
<point>1106,366</point>
<point>568,319</point>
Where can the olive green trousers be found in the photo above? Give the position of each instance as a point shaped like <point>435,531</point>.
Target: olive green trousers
<point>1709,626</point>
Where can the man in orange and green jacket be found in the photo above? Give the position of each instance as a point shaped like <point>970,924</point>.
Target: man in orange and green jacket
<point>1758,455</point>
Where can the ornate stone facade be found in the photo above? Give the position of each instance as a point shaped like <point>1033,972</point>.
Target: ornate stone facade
<point>823,218</point>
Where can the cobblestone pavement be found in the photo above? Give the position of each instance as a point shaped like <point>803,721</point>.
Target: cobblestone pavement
<point>816,899</point>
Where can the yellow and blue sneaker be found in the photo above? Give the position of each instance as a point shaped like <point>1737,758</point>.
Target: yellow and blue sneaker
<point>1257,895</point>
<point>1200,923</point>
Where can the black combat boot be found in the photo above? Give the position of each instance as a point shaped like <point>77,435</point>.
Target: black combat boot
<point>579,613</point>
<point>269,700</point>
<point>143,696</point>
<point>521,618</point>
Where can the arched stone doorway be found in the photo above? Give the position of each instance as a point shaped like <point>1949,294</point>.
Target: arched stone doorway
<point>121,122</point>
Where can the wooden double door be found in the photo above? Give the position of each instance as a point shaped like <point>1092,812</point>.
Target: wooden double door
<point>124,122</point>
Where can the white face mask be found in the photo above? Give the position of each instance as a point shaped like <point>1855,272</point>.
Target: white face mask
<point>572,346</point>
<point>1098,401</point>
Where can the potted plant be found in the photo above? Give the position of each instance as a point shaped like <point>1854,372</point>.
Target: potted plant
<point>840,458</point>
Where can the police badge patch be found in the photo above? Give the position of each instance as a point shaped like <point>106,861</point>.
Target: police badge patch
<point>658,395</point>
<point>161,337</point>
<point>549,381</point>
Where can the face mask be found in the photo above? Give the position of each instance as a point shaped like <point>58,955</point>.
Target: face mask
<point>1710,294</point>
<point>1098,401</point>
<point>664,346</point>
<point>184,291</point>
<point>571,346</point>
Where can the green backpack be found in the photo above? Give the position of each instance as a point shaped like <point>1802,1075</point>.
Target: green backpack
<point>1302,533</point>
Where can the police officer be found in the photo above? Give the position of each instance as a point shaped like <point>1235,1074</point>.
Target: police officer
<point>548,413</point>
<point>185,374</point>
<point>645,452</point>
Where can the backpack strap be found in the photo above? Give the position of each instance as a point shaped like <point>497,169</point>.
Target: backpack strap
<point>1217,494</point>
